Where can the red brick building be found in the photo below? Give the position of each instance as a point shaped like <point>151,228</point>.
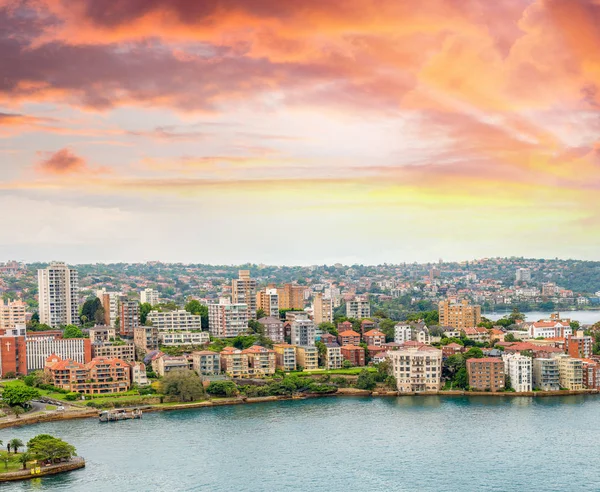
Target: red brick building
<point>374,338</point>
<point>486,373</point>
<point>349,337</point>
<point>367,325</point>
<point>591,374</point>
<point>452,349</point>
<point>13,355</point>
<point>355,354</point>
<point>328,338</point>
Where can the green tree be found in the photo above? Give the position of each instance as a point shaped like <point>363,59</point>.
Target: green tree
<point>6,458</point>
<point>72,331</point>
<point>260,313</point>
<point>473,353</point>
<point>510,338</point>
<point>25,458</point>
<point>49,448</point>
<point>89,308</point>
<point>145,308</point>
<point>329,328</point>
<point>18,411</point>
<point>17,394</point>
<point>222,388</point>
<point>366,380</point>
<point>461,380</point>
<point>15,444</point>
<point>183,384</point>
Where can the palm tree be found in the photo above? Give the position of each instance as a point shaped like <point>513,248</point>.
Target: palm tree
<point>18,411</point>
<point>24,458</point>
<point>5,458</point>
<point>16,444</point>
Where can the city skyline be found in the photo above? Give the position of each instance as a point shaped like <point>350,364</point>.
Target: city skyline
<point>288,133</point>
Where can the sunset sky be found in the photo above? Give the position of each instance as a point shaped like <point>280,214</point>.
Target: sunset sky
<point>299,132</point>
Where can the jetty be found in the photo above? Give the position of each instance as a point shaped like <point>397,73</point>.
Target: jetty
<point>119,414</point>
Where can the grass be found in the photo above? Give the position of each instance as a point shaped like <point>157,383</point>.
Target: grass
<point>51,407</point>
<point>13,465</point>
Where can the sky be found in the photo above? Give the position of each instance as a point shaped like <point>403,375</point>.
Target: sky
<point>286,132</point>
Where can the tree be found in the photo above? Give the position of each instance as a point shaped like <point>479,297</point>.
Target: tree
<point>473,353</point>
<point>6,458</point>
<point>15,444</point>
<point>145,308</point>
<point>222,388</point>
<point>72,331</point>
<point>183,384</point>
<point>25,458</point>
<point>510,338</point>
<point>18,394</point>
<point>366,380</point>
<point>461,380</point>
<point>260,313</point>
<point>18,411</point>
<point>89,308</point>
<point>329,328</point>
<point>50,448</point>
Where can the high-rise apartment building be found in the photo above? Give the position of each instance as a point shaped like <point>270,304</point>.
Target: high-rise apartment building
<point>546,374</point>
<point>268,301</point>
<point>12,313</point>
<point>322,309</point>
<point>110,303</point>
<point>149,296</point>
<point>519,369</point>
<point>291,296</point>
<point>243,291</point>
<point>417,368</point>
<point>459,314</point>
<point>129,317</point>
<point>570,372</point>
<point>358,308</point>
<point>303,332</point>
<point>523,275</point>
<point>226,319</point>
<point>58,287</point>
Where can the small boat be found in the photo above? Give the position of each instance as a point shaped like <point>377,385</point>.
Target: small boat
<point>119,414</point>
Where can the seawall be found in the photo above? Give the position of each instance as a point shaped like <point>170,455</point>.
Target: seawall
<point>74,464</point>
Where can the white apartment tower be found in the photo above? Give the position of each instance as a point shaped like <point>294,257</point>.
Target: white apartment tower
<point>520,370</point>
<point>358,308</point>
<point>226,319</point>
<point>149,296</point>
<point>58,287</point>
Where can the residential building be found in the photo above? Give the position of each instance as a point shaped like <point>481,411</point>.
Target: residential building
<point>114,350</point>
<point>129,317</point>
<point>99,376</point>
<point>13,354</point>
<point>175,320</point>
<point>452,349</point>
<point>166,363</point>
<point>101,333</point>
<point>333,356</point>
<point>234,362</point>
<point>519,369</point>
<point>416,368</point>
<point>183,337</point>
<point>367,325</point>
<point>138,374</point>
<point>327,338</point>
<point>349,337</point>
<point>261,360</point>
<point>422,333</point>
<point>146,338</point>
<point>291,296</point>
<point>243,291</point>
<point>268,301</point>
<point>110,304</point>
<point>523,275</point>
<point>402,333</point>
<point>358,308</point>
<point>486,374</point>
<point>38,349</point>
<point>477,334</point>
<point>285,356</point>
<point>273,327</point>
<point>149,296</point>
<point>303,332</point>
<point>12,314</point>
<point>206,362</point>
<point>570,372</point>
<point>58,295</point>
<point>552,328</point>
<point>459,315</point>
<point>546,374</point>
<point>354,354</point>
<point>579,346</point>
<point>322,309</point>
<point>307,357</point>
<point>590,373</point>
<point>374,338</point>
<point>226,320</point>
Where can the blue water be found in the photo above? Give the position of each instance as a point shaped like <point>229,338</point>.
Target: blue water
<point>339,444</point>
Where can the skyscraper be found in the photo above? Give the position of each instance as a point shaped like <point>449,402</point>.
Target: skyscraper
<point>243,291</point>
<point>58,287</point>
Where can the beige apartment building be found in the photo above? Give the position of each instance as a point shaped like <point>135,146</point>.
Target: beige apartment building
<point>110,350</point>
<point>12,313</point>
<point>226,319</point>
<point>261,360</point>
<point>206,362</point>
<point>570,372</point>
<point>146,338</point>
<point>322,309</point>
<point>285,356</point>
<point>417,368</point>
<point>234,362</point>
<point>333,357</point>
<point>243,291</point>
<point>291,296</point>
<point>307,357</point>
<point>58,295</point>
<point>459,315</point>
<point>268,301</point>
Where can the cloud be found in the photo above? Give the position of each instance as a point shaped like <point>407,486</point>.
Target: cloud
<point>62,162</point>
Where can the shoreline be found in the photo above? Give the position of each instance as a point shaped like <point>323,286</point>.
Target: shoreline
<point>342,392</point>
<point>75,463</point>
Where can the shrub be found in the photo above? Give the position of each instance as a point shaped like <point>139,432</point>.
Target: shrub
<point>72,396</point>
<point>222,388</point>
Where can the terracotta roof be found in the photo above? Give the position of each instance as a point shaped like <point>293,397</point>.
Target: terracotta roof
<point>374,333</point>
<point>351,347</point>
<point>349,333</point>
<point>257,349</point>
<point>485,359</point>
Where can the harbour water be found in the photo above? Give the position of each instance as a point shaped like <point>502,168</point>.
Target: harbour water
<point>338,444</point>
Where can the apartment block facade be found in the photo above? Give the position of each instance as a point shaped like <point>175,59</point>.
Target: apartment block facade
<point>354,354</point>
<point>486,374</point>
<point>149,296</point>
<point>358,308</point>
<point>99,376</point>
<point>303,332</point>
<point>12,314</point>
<point>206,362</point>
<point>545,374</point>
<point>459,315</point>
<point>226,320</point>
<point>58,295</point>
<point>307,357</point>
<point>416,368</point>
<point>129,317</point>
<point>333,356</point>
<point>285,356</point>
<point>322,309</point>
<point>519,369</point>
<point>273,327</point>
<point>243,291</point>
<point>268,301</point>
<point>110,350</point>
<point>570,372</point>
<point>261,360</point>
